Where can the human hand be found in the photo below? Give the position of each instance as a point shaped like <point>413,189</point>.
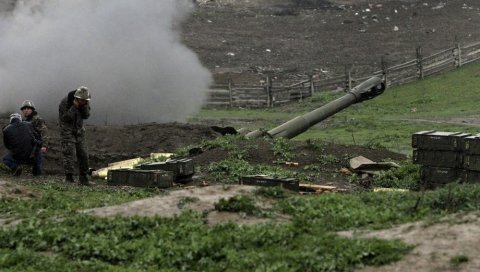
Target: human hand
<point>78,103</point>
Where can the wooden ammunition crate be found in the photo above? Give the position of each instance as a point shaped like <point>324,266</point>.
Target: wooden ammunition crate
<point>471,176</point>
<point>140,178</point>
<point>439,140</point>
<point>181,168</point>
<point>433,177</point>
<point>471,162</point>
<point>438,158</point>
<point>472,145</point>
<point>287,183</point>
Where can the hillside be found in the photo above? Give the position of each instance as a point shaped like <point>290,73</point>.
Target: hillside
<point>246,39</point>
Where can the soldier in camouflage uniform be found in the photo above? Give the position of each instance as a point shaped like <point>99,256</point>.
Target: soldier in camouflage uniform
<point>73,109</point>
<point>31,115</point>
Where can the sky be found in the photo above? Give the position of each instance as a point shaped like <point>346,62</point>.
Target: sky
<point>128,53</point>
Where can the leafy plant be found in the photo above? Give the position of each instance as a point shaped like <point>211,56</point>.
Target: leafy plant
<point>282,147</point>
<point>328,159</point>
<point>458,260</point>
<point>276,192</point>
<point>238,203</point>
<point>231,170</point>
<point>407,176</point>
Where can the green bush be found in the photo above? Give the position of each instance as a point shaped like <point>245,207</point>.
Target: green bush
<point>407,176</point>
<point>276,192</point>
<point>240,203</point>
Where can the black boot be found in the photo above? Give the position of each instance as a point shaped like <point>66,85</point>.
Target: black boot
<point>17,171</point>
<point>69,178</point>
<point>83,180</point>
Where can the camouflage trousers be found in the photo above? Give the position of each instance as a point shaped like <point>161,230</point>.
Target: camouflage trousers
<point>69,150</point>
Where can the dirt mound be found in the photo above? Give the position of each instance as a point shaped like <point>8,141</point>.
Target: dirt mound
<point>108,144</point>
<point>322,160</point>
<point>114,143</point>
<point>435,245</point>
<point>200,199</point>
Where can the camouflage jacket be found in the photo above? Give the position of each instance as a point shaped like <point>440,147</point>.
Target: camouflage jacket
<point>71,119</point>
<point>40,127</point>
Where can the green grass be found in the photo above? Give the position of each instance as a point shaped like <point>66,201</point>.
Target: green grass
<point>307,242</point>
<point>54,236</point>
<point>53,198</point>
<point>385,121</point>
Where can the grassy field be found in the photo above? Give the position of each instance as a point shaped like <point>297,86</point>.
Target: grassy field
<point>52,235</point>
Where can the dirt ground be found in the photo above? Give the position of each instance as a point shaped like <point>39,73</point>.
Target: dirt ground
<point>248,39</point>
<point>435,244</point>
<point>200,199</point>
<point>111,144</point>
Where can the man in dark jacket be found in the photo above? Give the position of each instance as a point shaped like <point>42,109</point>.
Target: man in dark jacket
<point>23,145</point>
<point>73,109</point>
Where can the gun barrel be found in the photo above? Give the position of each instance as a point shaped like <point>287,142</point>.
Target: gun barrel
<point>364,91</point>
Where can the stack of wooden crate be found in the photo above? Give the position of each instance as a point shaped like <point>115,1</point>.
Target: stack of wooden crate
<point>446,157</point>
<point>154,174</point>
<point>471,158</point>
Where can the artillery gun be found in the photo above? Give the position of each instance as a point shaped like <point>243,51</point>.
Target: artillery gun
<point>164,174</point>
<point>366,90</point>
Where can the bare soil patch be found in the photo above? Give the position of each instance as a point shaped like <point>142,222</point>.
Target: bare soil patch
<point>435,244</point>
<point>200,199</point>
<point>11,190</point>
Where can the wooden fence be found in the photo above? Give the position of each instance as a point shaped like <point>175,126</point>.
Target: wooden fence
<point>271,93</point>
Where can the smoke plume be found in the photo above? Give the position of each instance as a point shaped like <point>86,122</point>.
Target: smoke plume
<point>128,53</point>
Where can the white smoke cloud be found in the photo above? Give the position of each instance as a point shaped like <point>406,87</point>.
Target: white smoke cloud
<point>126,52</point>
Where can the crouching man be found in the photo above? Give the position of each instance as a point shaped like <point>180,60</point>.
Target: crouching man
<point>23,146</point>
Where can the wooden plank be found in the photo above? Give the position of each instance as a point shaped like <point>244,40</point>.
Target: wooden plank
<point>476,52</point>
<point>471,46</point>
<point>215,103</point>
<point>403,65</point>
<point>318,187</point>
<point>440,64</point>
<point>465,61</point>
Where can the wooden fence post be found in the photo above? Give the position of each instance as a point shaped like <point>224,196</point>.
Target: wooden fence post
<point>312,86</point>
<point>230,91</point>
<point>458,55</point>
<point>269,92</point>
<point>419,62</point>
<point>384,71</point>
<point>301,92</point>
<point>348,79</point>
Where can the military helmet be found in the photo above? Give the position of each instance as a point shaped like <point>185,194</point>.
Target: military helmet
<point>27,104</point>
<point>82,93</point>
<point>15,116</point>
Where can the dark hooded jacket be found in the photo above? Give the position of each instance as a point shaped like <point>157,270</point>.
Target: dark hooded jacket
<point>21,140</point>
<point>71,119</point>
